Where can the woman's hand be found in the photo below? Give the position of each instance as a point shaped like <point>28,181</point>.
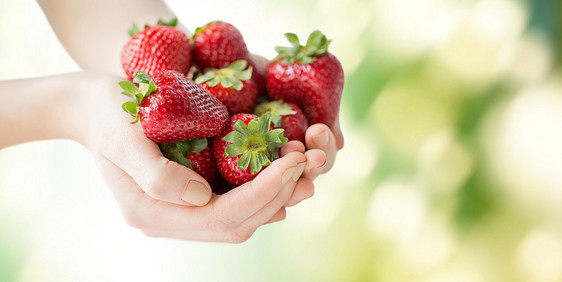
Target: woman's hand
<point>158,196</point>
<point>165,199</point>
<point>322,144</point>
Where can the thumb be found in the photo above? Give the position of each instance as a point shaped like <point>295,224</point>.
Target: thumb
<point>159,177</point>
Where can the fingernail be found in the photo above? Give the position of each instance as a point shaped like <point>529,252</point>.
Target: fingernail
<point>288,174</point>
<point>299,171</point>
<point>321,140</point>
<point>196,193</point>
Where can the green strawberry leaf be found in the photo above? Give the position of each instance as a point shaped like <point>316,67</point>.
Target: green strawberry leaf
<point>255,165</point>
<point>253,126</point>
<point>184,147</point>
<point>293,39</point>
<point>241,127</point>
<point>237,84</point>
<point>131,108</point>
<point>239,65</point>
<point>226,82</point>
<point>202,28</point>
<point>315,38</point>
<point>234,137</point>
<point>206,77</point>
<point>244,161</point>
<point>145,88</point>
<point>316,45</point>
<point>234,150</point>
<point>138,98</point>
<point>245,74</point>
<point>173,153</point>
<point>198,145</point>
<point>254,143</point>
<point>172,22</point>
<point>214,82</point>
<point>133,30</point>
<point>129,88</point>
<point>141,77</point>
<point>192,146</point>
<point>264,124</point>
<point>277,109</point>
<point>229,77</point>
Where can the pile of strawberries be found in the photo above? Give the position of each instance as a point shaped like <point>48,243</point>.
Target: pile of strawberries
<point>206,105</point>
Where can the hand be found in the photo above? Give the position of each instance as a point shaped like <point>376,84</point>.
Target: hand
<point>165,199</point>
<point>322,145</point>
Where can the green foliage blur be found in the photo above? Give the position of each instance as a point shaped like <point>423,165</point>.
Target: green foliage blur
<point>452,101</point>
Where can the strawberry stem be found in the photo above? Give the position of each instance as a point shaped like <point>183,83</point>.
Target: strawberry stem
<point>179,151</point>
<point>229,77</point>
<point>255,143</point>
<point>316,45</point>
<point>138,93</point>
<point>277,109</point>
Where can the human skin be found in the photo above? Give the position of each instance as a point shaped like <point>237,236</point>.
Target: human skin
<point>160,197</point>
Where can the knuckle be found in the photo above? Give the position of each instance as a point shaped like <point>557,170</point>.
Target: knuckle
<point>238,237</point>
<point>155,185</point>
<point>309,192</point>
<point>220,222</point>
<point>150,233</point>
<point>133,219</point>
<point>223,224</point>
<point>281,217</point>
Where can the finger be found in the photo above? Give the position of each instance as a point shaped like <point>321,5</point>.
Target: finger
<point>303,191</point>
<point>268,211</point>
<point>292,146</point>
<point>260,63</point>
<point>240,203</point>
<point>336,129</point>
<point>279,216</point>
<point>315,163</point>
<point>319,136</point>
<point>158,177</point>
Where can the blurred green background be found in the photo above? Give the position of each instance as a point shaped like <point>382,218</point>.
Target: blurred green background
<point>452,168</point>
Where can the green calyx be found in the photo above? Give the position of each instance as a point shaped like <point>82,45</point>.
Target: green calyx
<point>316,45</point>
<point>179,151</point>
<point>135,28</point>
<point>256,144</point>
<point>277,109</point>
<point>230,77</point>
<point>145,88</point>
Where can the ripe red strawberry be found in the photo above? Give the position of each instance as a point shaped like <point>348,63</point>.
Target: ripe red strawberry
<point>218,44</point>
<point>308,76</point>
<point>232,86</point>
<point>157,48</point>
<point>287,116</point>
<point>195,154</point>
<point>173,108</point>
<point>246,146</point>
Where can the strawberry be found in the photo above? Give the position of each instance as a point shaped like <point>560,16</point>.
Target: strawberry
<point>157,48</point>
<point>246,146</point>
<point>195,154</point>
<point>173,108</point>
<point>308,76</point>
<point>287,116</point>
<point>232,86</point>
<point>218,44</point>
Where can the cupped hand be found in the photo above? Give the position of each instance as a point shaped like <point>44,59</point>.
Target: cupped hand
<point>322,144</point>
<point>165,199</point>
